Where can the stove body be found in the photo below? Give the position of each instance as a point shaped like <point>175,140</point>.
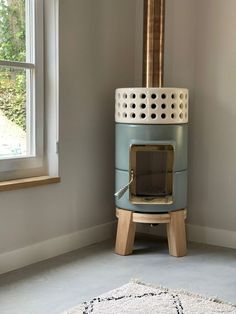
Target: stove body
<point>151,148</point>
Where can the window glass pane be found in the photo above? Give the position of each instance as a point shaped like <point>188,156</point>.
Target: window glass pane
<point>12,30</point>
<point>13,113</point>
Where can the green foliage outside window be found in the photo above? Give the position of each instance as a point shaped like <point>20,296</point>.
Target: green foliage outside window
<point>12,47</point>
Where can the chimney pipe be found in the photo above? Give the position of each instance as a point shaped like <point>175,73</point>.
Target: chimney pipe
<point>153,43</point>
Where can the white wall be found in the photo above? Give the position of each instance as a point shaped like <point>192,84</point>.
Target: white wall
<point>96,56</point>
<point>200,53</point>
<point>212,196</point>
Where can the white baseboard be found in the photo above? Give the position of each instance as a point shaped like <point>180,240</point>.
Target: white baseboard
<point>206,235</point>
<point>213,236</point>
<point>53,247</point>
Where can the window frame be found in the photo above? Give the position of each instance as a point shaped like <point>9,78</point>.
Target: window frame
<point>34,164</point>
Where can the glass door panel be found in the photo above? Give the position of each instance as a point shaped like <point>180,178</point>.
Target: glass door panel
<point>153,173</point>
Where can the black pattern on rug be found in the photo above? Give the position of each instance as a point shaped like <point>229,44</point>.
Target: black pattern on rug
<point>89,306</point>
<point>177,303</point>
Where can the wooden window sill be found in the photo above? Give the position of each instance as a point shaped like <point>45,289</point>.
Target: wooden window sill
<point>27,183</point>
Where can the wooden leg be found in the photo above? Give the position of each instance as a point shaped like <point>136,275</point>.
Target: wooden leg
<point>176,234</point>
<point>125,232</point>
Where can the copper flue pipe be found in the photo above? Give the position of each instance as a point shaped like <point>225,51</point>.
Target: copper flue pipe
<point>153,43</point>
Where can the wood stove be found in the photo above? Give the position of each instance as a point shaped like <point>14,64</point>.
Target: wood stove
<point>151,146</point>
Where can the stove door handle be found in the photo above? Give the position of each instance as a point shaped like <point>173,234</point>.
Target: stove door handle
<point>120,193</point>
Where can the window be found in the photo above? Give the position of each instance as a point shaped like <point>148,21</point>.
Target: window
<point>21,89</point>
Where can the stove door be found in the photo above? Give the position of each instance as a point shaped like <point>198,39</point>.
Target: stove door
<point>152,166</point>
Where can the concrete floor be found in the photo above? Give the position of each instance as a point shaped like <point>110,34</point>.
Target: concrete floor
<point>57,284</point>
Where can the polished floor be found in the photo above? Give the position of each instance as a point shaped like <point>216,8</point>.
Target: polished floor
<point>57,284</point>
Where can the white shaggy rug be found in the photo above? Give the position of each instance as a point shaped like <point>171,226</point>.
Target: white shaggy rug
<point>136,297</point>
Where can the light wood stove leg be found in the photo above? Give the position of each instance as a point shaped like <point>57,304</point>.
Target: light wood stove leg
<point>176,234</point>
<point>125,233</point>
